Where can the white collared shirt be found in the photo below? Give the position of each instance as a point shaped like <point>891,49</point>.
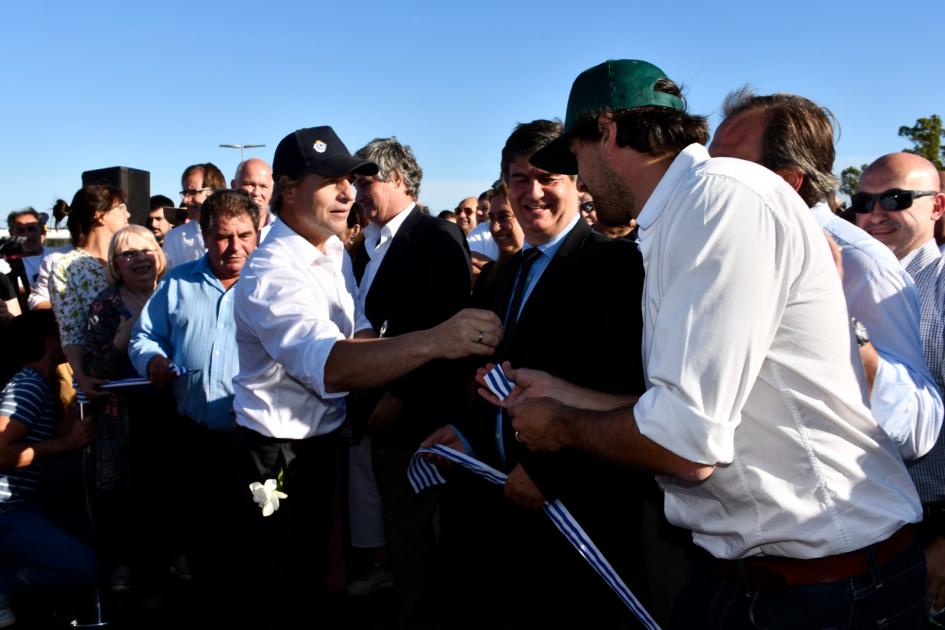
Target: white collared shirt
<point>748,357</point>
<point>183,244</point>
<point>481,242</point>
<point>880,294</point>
<point>293,303</point>
<point>377,239</point>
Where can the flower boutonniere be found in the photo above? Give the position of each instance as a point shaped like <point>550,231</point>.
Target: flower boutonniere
<point>268,494</point>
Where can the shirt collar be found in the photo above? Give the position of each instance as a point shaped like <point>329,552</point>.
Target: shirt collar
<point>688,159</point>
<point>821,212</point>
<point>203,268</point>
<point>390,228</point>
<point>301,248</point>
<point>550,247</point>
<point>919,258</point>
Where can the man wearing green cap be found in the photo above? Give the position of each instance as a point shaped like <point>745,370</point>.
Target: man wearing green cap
<point>754,417</point>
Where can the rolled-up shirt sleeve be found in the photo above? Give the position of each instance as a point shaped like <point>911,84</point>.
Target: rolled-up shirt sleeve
<point>904,399</point>
<point>284,315</point>
<point>722,293</point>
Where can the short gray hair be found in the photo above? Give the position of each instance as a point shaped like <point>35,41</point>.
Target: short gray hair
<point>393,157</point>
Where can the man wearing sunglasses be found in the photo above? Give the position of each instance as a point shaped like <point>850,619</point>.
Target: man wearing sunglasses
<point>793,136</point>
<point>898,202</point>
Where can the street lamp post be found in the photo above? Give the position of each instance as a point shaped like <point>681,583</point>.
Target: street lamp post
<point>241,147</point>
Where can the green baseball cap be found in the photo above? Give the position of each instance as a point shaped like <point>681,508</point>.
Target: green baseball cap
<point>613,85</point>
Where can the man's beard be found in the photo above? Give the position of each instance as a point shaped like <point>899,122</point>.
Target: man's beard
<point>614,201</point>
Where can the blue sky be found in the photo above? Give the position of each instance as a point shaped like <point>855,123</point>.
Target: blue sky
<point>158,86</point>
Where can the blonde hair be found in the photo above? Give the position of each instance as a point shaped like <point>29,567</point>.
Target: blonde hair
<point>121,239</point>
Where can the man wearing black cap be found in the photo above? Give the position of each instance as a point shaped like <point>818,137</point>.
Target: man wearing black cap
<point>753,416</point>
<point>295,314</point>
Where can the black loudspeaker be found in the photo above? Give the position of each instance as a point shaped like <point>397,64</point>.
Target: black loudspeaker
<point>136,185</point>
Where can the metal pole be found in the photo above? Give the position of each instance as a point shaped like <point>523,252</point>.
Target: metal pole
<point>88,477</point>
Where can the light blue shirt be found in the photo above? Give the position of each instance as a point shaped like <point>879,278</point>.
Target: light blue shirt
<point>879,292</point>
<point>548,250</point>
<point>189,319</point>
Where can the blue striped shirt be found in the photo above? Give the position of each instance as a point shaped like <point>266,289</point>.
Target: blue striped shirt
<point>189,320</point>
<point>927,267</point>
<point>26,399</point>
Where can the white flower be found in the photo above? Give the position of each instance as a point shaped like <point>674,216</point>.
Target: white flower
<point>267,495</point>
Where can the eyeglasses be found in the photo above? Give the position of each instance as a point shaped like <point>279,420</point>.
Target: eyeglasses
<point>587,207</point>
<point>193,192</point>
<point>891,200</point>
<point>130,254</point>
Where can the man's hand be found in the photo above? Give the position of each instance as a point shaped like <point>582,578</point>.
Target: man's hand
<point>528,384</point>
<point>478,262</point>
<point>468,332</point>
<point>79,434</point>
<point>123,335</point>
<point>89,385</point>
<point>160,372</point>
<point>447,437</point>
<point>935,566</point>
<point>387,413</point>
<point>539,424</point>
<point>520,489</point>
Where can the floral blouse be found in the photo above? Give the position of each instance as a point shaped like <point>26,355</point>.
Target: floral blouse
<point>75,280</point>
<point>104,360</point>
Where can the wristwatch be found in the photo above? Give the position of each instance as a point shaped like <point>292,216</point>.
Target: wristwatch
<point>859,330</point>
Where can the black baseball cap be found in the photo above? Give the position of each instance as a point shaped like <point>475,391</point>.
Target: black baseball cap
<point>317,150</point>
<point>613,85</point>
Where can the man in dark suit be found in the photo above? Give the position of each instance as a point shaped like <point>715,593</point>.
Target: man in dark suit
<point>413,272</point>
<point>570,303</point>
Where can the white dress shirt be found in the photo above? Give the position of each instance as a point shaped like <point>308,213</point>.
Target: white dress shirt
<point>184,244</point>
<point>481,242</point>
<point>377,239</point>
<point>747,351</point>
<point>880,294</point>
<point>293,303</point>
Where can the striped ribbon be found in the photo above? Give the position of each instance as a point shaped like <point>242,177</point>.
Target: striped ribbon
<point>423,473</point>
<point>82,399</point>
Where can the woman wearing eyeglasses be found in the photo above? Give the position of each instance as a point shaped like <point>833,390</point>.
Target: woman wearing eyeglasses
<point>135,264</point>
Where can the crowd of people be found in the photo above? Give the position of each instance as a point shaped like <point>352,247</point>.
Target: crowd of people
<point>732,381</point>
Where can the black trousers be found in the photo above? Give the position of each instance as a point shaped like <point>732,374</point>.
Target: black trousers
<point>203,511</point>
<point>284,557</point>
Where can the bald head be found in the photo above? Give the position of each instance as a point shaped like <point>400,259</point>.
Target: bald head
<point>255,177</point>
<point>466,214</point>
<point>903,231</point>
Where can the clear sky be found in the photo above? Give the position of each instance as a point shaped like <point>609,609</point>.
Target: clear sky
<point>158,85</point>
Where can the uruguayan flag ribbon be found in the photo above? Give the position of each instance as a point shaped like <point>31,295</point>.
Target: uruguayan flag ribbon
<point>423,473</point>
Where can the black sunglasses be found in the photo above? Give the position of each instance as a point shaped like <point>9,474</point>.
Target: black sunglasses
<point>890,200</point>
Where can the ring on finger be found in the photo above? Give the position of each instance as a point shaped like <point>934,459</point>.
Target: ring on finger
<point>480,337</point>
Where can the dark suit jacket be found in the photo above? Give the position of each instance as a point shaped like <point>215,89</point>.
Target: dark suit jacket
<point>424,280</point>
<point>582,322</point>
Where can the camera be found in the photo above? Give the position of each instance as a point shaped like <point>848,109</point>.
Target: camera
<point>12,246</point>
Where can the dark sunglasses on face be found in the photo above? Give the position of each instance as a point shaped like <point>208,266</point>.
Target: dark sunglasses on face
<point>891,200</point>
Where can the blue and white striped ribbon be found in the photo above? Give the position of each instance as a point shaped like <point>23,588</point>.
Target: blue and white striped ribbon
<point>423,473</point>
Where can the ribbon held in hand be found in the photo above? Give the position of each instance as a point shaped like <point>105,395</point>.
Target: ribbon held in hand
<point>422,473</point>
